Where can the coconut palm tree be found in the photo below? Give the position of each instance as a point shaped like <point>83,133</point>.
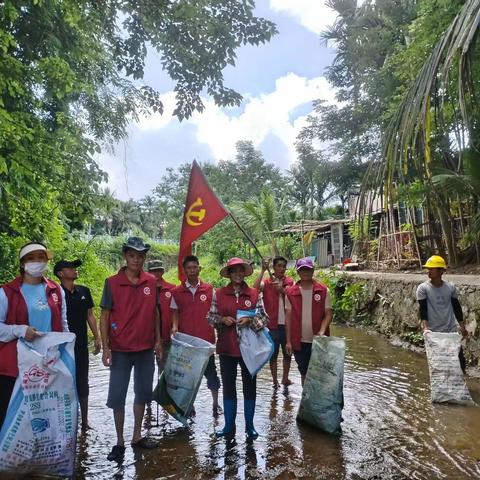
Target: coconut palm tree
<point>263,214</point>
<point>420,138</point>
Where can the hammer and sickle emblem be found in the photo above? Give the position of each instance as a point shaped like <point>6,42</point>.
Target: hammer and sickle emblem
<point>195,212</point>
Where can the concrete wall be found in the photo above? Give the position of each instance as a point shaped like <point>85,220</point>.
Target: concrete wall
<point>393,309</point>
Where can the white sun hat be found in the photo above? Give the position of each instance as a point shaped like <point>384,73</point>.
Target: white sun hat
<point>33,247</point>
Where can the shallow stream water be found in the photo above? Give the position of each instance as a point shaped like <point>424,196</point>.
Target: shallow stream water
<point>390,429</point>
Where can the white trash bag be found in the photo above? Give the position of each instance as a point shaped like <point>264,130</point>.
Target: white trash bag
<point>256,347</point>
<point>322,395</point>
<point>447,384</point>
<point>179,383</point>
<point>40,429</point>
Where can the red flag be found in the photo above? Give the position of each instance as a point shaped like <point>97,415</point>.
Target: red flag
<point>202,211</point>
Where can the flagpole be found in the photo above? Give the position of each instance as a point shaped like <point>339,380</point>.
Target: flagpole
<point>247,236</point>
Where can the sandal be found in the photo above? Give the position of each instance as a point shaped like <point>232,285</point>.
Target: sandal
<point>117,453</point>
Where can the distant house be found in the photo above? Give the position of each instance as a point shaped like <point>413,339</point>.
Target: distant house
<point>327,240</point>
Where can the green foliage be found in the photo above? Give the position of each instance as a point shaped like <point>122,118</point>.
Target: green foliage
<point>364,38</point>
<point>69,84</point>
<point>415,338</point>
<point>94,269</point>
<point>262,215</point>
<point>350,299</point>
<point>465,186</point>
<point>406,75</point>
<point>360,229</point>
<point>433,114</point>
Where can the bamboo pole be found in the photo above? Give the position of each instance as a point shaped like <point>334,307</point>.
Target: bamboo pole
<point>414,232</point>
<point>247,236</point>
<point>379,241</point>
<point>303,239</point>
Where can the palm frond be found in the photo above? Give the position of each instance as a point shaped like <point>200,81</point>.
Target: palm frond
<point>406,142</point>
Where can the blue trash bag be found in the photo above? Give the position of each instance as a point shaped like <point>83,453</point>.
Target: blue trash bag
<point>256,347</point>
<point>322,396</point>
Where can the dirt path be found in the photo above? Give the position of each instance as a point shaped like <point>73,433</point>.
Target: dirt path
<point>418,277</point>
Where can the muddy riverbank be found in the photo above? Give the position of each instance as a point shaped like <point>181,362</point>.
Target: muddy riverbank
<point>390,429</point>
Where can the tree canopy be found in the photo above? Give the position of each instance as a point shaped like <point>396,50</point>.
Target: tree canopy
<point>71,80</point>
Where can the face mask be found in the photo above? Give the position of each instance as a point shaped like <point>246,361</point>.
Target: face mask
<point>35,269</point>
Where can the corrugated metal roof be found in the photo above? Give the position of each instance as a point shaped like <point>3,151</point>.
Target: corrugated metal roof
<point>311,225</point>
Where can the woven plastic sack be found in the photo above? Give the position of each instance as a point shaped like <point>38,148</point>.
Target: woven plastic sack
<point>447,384</point>
<point>322,396</point>
<point>40,429</point>
<point>179,382</point>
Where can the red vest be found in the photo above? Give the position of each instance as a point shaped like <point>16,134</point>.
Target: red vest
<point>132,318</point>
<point>165,298</point>
<point>319,293</point>
<point>227,306</point>
<point>193,311</point>
<point>271,298</point>
<point>17,314</point>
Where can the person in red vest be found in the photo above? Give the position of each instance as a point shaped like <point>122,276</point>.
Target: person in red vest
<point>164,298</point>
<point>308,312</point>
<point>30,305</point>
<point>237,295</point>
<point>274,300</point>
<point>190,304</point>
<point>130,330</point>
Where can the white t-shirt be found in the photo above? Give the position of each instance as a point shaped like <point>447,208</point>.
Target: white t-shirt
<point>307,327</point>
<point>441,317</point>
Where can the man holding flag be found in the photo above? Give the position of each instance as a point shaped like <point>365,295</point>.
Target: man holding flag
<point>190,305</point>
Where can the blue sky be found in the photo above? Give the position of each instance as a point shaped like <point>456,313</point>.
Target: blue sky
<point>278,81</point>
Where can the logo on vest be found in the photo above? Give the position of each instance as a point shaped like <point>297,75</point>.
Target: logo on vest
<point>248,303</point>
<point>195,214</point>
<point>317,297</point>
<point>168,294</point>
<point>55,297</point>
<point>203,297</point>
<point>146,290</point>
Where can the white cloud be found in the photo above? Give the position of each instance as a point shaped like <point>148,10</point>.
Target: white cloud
<point>263,115</point>
<point>157,121</point>
<point>267,114</point>
<point>312,14</point>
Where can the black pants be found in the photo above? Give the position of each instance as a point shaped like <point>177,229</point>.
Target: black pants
<point>6,389</point>
<point>463,361</point>
<point>228,371</point>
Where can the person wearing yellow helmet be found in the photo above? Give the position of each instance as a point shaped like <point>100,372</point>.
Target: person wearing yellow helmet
<point>439,307</point>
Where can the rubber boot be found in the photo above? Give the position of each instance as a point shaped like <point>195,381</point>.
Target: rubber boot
<point>230,413</point>
<point>249,409</point>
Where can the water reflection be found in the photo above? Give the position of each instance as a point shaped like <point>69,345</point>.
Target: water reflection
<point>390,430</point>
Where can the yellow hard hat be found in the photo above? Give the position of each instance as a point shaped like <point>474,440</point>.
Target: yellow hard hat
<point>435,261</point>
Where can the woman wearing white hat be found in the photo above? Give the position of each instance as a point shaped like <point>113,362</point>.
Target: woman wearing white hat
<point>30,305</point>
